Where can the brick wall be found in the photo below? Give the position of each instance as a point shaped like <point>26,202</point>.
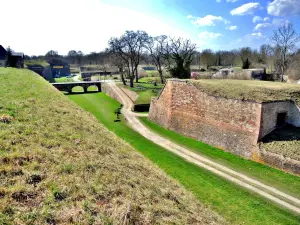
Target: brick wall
<point>270,112</point>
<point>232,125</point>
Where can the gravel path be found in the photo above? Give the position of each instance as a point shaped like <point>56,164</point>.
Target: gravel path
<point>268,192</point>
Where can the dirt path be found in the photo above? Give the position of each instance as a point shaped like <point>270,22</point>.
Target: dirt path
<point>268,192</point>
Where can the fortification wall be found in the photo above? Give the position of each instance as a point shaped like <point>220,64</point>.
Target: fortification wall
<point>110,92</point>
<point>270,112</point>
<point>232,125</point>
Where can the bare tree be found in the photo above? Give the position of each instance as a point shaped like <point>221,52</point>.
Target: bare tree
<point>119,49</point>
<point>179,56</point>
<point>129,47</point>
<point>207,58</point>
<point>284,39</point>
<point>156,48</point>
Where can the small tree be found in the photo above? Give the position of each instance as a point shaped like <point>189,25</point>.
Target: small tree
<point>207,58</point>
<point>284,38</point>
<point>156,48</point>
<point>9,59</point>
<point>246,64</point>
<point>179,56</point>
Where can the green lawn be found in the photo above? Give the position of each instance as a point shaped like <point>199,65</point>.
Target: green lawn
<point>63,79</point>
<point>145,91</point>
<point>283,181</point>
<point>235,204</point>
<point>36,62</point>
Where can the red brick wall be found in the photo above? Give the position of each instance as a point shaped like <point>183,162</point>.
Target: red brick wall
<point>232,125</point>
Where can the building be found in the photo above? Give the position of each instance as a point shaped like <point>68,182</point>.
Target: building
<point>19,57</point>
<point>232,115</point>
<point>59,68</point>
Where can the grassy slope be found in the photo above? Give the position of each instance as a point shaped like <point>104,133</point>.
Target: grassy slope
<point>58,164</point>
<point>249,90</point>
<point>235,204</point>
<point>36,62</point>
<point>145,91</point>
<point>277,178</point>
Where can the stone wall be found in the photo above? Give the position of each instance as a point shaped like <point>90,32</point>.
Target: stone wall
<point>232,125</point>
<point>106,89</point>
<point>269,115</point>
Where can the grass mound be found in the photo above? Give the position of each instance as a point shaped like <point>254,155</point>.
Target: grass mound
<point>259,91</point>
<point>59,165</point>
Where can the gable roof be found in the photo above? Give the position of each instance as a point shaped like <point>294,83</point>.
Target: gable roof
<point>2,52</point>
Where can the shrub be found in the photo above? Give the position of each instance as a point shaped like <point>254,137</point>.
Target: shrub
<point>195,75</point>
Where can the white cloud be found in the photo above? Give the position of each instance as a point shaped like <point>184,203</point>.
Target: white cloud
<point>261,26</point>
<point>246,9</point>
<point>280,22</point>
<point>205,34</point>
<point>190,17</point>
<point>256,19</point>
<point>208,20</point>
<point>266,19</point>
<point>284,8</point>
<point>231,28</point>
<point>259,34</point>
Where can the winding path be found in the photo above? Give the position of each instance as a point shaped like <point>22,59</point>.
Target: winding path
<point>280,198</point>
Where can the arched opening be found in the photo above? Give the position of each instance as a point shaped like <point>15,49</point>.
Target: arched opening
<point>92,88</point>
<point>77,89</point>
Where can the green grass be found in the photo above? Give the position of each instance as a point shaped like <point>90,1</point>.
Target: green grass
<point>63,79</point>
<point>59,165</point>
<point>145,96</point>
<point>145,91</point>
<point>36,62</point>
<point>237,205</point>
<point>283,181</point>
<point>260,91</point>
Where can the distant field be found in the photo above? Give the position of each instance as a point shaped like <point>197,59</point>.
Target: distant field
<point>63,79</point>
<point>36,62</point>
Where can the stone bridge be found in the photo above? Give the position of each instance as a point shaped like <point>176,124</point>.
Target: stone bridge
<point>67,86</point>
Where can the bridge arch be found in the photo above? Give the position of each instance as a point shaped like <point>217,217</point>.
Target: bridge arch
<point>79,87</point>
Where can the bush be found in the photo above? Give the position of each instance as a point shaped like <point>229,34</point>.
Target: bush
<point>195,75</point>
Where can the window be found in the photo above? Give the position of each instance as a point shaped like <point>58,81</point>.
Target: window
<point>281,119</point>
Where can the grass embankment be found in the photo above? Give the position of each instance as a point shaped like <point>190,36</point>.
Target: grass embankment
<point>63,80</point>
<point>283,181</point>
<point>59,165</point>
<point>260,91</point>
<point>145,90</point>
<point>43,63</point>
<point>237,205</point>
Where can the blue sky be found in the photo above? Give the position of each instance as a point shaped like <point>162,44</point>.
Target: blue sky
<point>38,26</point>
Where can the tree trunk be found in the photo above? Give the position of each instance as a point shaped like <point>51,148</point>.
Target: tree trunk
<point>161,76</point>
<point>123,79</point>
<point>131,81</point>
<point>136,75</point>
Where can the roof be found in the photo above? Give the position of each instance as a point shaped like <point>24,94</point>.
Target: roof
<point>2,52</point>
<point>258,91</point>
<point>20,54</point>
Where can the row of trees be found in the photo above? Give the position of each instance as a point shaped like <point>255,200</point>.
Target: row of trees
<point>177,55</point>
<point>174,54</point>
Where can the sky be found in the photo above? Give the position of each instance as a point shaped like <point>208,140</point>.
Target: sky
<point>37,26</point>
